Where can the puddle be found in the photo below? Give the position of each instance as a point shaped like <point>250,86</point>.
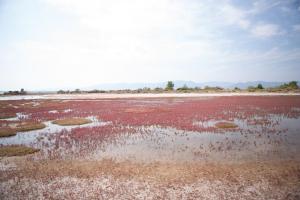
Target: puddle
<point>35,104</point>
<point>22,97</point>
<point>171,145</point>
<point>36,136</point>
<point>155,144</point>
<point>296,109</point>
<point>19,116</point>
<point>53,111</point>
<point>206,124</point>
<point>56,111</point>
<point>257,138</point>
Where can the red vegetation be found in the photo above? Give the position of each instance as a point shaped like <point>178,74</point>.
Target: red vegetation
<point>168,112</point>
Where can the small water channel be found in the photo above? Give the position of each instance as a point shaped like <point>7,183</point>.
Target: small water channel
<point>279,139</point>
<point>249,142</point>
<point>41,135</point>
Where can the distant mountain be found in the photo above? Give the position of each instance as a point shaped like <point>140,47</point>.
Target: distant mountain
<point>180,83</point>
<point>119,86</point>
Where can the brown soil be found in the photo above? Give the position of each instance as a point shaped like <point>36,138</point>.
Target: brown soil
<point>225,125</point>
<point>7,132</point>
<point>16,150</point>
<point>71,121</point>
<point>29,126</point>
<point>271,180</point>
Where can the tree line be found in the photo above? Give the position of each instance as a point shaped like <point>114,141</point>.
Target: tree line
<point>170,87</point>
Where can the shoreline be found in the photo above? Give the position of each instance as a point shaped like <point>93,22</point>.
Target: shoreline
<point>140,95</point>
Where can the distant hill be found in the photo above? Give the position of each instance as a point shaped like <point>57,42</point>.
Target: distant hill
<point>180,83</point>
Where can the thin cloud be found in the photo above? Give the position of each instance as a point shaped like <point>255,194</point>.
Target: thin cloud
<point>234,16</point>
<point>266,30</point>
<point>153,40</point>
<point>296,27</point>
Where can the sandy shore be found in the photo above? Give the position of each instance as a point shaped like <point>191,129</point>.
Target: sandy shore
<point>142,95</point>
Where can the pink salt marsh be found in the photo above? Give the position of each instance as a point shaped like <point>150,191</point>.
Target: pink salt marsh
<point>155,147</point>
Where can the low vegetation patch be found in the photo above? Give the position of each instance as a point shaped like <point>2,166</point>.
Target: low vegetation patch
<point>29,126</point>
<point>226,125</point>
<point>72,121</point>
<point>6,115</point>
<point>7,132</point>
<point>16,150</point>
<point>139,110</point>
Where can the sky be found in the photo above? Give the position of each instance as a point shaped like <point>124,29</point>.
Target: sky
<point>48,44</point>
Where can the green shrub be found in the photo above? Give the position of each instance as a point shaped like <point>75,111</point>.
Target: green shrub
<point>293,85</point>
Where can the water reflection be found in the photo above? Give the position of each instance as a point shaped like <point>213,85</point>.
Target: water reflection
<point>41,135</point>
<point>258,138</point>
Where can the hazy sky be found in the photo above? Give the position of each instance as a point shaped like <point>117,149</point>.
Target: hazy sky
<point>62,43</point>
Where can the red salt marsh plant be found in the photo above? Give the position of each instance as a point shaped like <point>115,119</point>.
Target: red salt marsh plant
<point>167,112</point>
<point>101,132</point>
<point>82,141</point>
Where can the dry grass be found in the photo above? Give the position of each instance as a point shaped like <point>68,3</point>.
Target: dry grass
<point>225,125</point>
<point>72,121</point>
<point>29,126</point>
<point>7,132</point>
<point>16,150</point>
<point>139,110</point>
<point>23,127</point>
<point>6,115</point>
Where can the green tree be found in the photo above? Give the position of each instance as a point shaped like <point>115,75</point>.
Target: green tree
<point>170,85</point>
<point>259,86</point>
<point>22,91</point>
<point>60,92</point>
<point>293,85</point>
<point>290,86</point>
